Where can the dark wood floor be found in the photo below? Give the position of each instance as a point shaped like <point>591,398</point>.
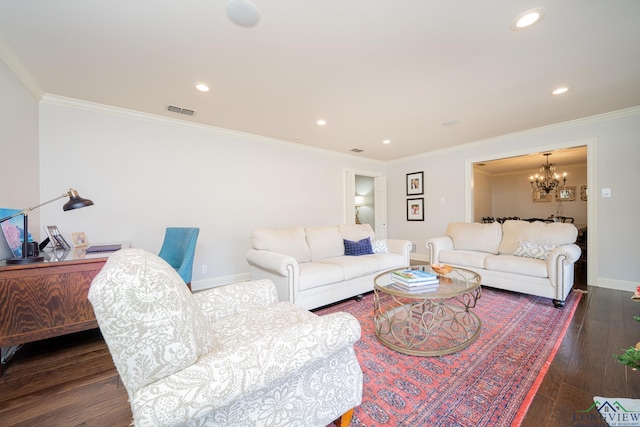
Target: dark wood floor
<point>71,381</point>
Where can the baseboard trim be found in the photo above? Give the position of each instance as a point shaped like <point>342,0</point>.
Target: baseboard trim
<point>618,285</point>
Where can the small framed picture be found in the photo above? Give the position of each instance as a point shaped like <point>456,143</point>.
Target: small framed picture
<point>79,240</point>
<point>415,209</point>
<point>565,194</point>
<point>541,196</point>
<point>55,238</point>
<point>415,183</point>
<point>583,193</point>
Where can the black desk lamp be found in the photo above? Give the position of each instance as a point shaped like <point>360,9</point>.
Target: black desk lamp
<point>75,202</point>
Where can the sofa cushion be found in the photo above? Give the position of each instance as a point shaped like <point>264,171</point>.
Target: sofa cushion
<point>361,247</point>
<point>475,236</point>
<point>380,246</point>
<point>356,232</point>
<point>290,241</point>
<point>463,258</point>
<point>354,266</point>
<point>389,260</point>
<point>538,232</point>
<point>324,242</point>
<point>314,274</point>
<point>518,265</point>
<point>533,250</point>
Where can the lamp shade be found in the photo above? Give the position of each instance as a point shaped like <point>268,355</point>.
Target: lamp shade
<point>359,200</point>
<point>76,202</point>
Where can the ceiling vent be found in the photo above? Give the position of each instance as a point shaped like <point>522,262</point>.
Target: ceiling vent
<point>357,150</point>
<point>180,110</point>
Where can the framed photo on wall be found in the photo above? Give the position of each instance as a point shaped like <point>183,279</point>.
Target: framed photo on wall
<point>415,184</point>
<point>415,209</point>
<point>541,196</point>
<point>566,194</point>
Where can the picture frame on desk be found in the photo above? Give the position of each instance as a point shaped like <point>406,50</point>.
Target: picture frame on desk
<point>55,238</point>
<point>79,240</point>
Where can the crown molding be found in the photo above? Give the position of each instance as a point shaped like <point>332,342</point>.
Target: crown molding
<point>626,112</point>
<point>18,68</point>
<point>155,118</point>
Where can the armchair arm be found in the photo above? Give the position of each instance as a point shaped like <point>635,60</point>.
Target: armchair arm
<point>283,270</point>
<point>402,247</point>
<point>437,244</point>
<point>220,378</point>
<point>235,298</point>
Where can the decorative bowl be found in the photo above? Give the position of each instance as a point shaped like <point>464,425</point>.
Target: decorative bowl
<point>441,269</point>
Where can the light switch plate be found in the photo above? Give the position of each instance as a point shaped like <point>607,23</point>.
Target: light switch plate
<point>606,192</point>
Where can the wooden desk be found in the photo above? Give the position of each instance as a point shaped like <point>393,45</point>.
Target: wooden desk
<point>47,299</point>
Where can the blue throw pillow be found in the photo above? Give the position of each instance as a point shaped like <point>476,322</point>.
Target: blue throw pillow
<point>362,247</point>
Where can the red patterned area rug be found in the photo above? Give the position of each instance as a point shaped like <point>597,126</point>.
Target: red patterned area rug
<point>490,383</point>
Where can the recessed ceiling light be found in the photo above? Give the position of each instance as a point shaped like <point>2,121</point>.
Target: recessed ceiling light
<point>243,13</point>
<point>527,19</point>
<point>202,87</point>
<point>321,122</point>
<point>386,141</point>
<point>560,90</point>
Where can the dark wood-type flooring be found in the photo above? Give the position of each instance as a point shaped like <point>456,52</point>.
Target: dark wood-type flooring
<point>71,380</point>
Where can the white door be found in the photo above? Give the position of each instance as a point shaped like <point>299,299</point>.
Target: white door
<point>380,206</point>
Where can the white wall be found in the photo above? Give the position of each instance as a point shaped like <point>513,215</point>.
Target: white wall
<point>613,222</point>
<point>19,170</point>
<point>145,173</point>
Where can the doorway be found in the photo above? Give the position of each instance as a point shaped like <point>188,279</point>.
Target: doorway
<point>371,190</point>
<point>589,144</point>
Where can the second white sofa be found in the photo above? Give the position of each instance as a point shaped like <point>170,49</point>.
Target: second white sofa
<point>311,268</point>
<point>534,258</point>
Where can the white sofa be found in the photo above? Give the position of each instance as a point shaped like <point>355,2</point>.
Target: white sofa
<point>309,266</point>
<point>534,258</point>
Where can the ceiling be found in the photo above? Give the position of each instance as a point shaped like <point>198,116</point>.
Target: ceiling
<point>373,69</point>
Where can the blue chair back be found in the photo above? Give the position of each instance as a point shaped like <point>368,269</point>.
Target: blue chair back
<point>179,248</point>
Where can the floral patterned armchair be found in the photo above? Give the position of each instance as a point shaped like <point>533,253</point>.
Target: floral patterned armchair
<point>228,356</point>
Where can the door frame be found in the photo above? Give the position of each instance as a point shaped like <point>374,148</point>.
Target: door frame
<point>592,183</point>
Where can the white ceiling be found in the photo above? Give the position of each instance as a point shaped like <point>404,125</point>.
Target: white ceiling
<point>374,69</point>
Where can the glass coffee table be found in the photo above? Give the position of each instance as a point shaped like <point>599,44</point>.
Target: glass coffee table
<point>427,323</point>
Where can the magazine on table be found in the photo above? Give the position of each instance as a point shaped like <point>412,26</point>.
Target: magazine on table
<point>409,276</point>
<point>414,288</point>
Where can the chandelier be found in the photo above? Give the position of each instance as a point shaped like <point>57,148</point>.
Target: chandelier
<point>548,180</point>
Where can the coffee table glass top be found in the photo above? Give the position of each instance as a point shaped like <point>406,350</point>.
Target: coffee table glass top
<point>457,282</point>
<point>430,322</point>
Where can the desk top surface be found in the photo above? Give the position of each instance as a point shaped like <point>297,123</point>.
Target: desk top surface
<point>58,257</point>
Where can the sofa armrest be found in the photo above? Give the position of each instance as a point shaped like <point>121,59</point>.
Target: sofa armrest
<point>437,244</point>
<point>283,271</point>
<point>402,247</point>
<point>241,297</point>
<point>560,266</point>
<point>227,375</point>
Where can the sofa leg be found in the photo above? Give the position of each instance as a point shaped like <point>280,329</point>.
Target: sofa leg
<point>359,297</point>
<point>558,304</point>
<point>345,419</point>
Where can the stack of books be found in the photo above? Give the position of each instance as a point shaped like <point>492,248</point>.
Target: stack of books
<point>414,280</point>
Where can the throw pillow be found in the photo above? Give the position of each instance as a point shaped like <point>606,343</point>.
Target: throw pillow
<point>361,247</point>
<point>532,250</point>
<point>379,247</point>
